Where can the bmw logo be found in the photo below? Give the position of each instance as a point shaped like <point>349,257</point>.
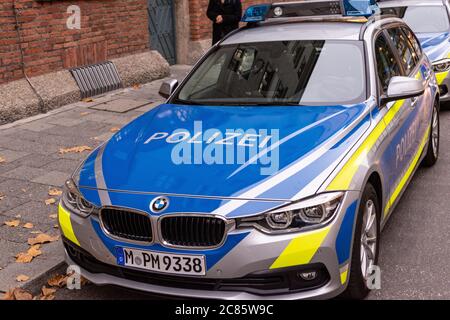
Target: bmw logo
<point>159,204</point>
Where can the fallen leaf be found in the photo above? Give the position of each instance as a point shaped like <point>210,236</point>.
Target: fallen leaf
<point>2,160</point>
<point>58,280</point>
<point>18,216</point>
<point>47,291</point>
<point>54,192</point>
<point>136,86</point>
<point>22,278</point>
<point>12,223</point>
<point>17,294</point>
<point>88,100</point>
<point>49,297</point>
<point>36,232</point>
<point>28,225</point>
<point>42,238</point>
<point>84,114</point>
<point>53,216</point>
<point>115,129</point>
<point>76,149</point>
<point>50,201</point>
<point>27,257</point>
<point>2,196</point>
<point>55,226</point>
<point>23,190</point>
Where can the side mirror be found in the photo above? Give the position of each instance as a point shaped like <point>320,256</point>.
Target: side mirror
<point>403,88</point>
<point>167,88</point>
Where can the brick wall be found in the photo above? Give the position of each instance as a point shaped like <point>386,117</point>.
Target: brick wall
<point>109,29</point>
<point>201,25</point>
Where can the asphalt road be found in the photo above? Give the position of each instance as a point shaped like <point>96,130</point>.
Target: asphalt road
<point>415,245</point>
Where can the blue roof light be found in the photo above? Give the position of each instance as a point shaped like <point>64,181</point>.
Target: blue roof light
<point>256,13</point>
<point>360,8</point>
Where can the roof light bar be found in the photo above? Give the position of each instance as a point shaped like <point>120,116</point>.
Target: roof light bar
<point>353,8</point>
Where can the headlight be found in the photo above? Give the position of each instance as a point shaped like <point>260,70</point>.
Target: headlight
<point>441,65</point>
<point>305,214</point>
<point>73,200</point>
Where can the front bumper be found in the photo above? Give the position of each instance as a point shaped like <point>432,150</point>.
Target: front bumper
<point>274,261</point>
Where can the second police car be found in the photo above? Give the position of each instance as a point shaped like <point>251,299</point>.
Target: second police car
<point>343,109</point>
<point>430,21</point>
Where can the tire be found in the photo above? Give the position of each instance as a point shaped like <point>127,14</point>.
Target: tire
<point>357,284</point>
<point>432,154</point>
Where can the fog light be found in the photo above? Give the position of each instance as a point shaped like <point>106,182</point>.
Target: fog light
<point>308,276</point>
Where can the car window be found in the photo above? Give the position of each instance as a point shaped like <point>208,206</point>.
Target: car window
<point>422,19</point>
<point>406,53</point>
<point>414,42</point>
<point>298,72</point>
<point>387,65</point>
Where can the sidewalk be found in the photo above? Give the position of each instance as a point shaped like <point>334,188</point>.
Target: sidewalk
<point>31,163</point>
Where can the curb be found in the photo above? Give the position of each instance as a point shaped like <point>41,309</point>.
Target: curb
<point>42,266</point>
<point>34,285</point>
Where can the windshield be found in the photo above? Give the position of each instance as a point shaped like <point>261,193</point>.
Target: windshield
<point>436,21</point>
<point>279,73</point>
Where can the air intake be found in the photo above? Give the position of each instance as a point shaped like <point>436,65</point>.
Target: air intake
<point>97,79</point>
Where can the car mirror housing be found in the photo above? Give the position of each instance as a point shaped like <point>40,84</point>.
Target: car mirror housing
<point>168,87</point>
<point>403,88</point>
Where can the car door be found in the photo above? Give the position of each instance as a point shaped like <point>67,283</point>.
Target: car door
<point>406,116</point>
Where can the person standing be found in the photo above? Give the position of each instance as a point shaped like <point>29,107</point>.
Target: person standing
<point>225,15</point>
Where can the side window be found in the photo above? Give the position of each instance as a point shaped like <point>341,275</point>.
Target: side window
<point>407,55</point>
<point>387,64</point>
<point>414,43</point>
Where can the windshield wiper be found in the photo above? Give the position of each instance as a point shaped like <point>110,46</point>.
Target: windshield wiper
<point>188,102</point>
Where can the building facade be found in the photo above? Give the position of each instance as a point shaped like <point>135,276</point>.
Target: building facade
<point>40,37</point>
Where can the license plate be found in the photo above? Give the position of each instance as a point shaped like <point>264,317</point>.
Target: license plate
<point>161,261</point>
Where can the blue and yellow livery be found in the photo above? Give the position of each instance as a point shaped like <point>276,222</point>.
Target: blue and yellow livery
<point>270,170</point>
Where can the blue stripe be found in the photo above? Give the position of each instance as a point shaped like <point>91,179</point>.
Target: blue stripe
<point>345,235</point>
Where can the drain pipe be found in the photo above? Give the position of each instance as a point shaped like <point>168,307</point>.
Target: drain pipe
<point>42,106</point>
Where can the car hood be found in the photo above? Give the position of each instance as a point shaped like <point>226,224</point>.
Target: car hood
<point>307,142</point>
<point>435,45</point>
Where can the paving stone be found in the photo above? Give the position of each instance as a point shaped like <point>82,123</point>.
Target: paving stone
<point>34,212</point>
<point>66,121</point>
<point>37,126</point>
<point>9,251</point>
<point>24,173</point>
<point>64,165</point>
<point>10,203</point>
<point>11,155</point>
<point>24,189</point>
<point>120,105</point>
<point>104,137</point>
<point>53,178</point>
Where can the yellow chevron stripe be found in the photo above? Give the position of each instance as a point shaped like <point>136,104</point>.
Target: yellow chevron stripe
<point>66,224</point>
<point>345,176</point>
<point>344,276</point>
<point>301,249</point>
<point>408,173</point>
<point>441,76</point>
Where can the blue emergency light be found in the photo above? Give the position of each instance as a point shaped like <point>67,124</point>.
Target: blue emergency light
<point>256,13</point>
<point>349,8</point>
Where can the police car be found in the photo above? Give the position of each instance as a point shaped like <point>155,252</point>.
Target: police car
<point>430,21</point>
<point>329,119</point>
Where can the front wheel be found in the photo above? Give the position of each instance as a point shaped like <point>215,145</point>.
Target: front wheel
<point>365,245</point>
<point>433,144</point>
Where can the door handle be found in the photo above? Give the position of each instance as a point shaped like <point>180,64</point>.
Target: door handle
<point>414,101</point>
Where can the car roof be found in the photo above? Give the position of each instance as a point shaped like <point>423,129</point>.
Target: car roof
<point>297,30</point>
<point>408,3</point>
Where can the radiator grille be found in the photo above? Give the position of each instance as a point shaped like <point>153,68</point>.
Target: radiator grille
<point>193,231</point>
<point>127,224</point>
